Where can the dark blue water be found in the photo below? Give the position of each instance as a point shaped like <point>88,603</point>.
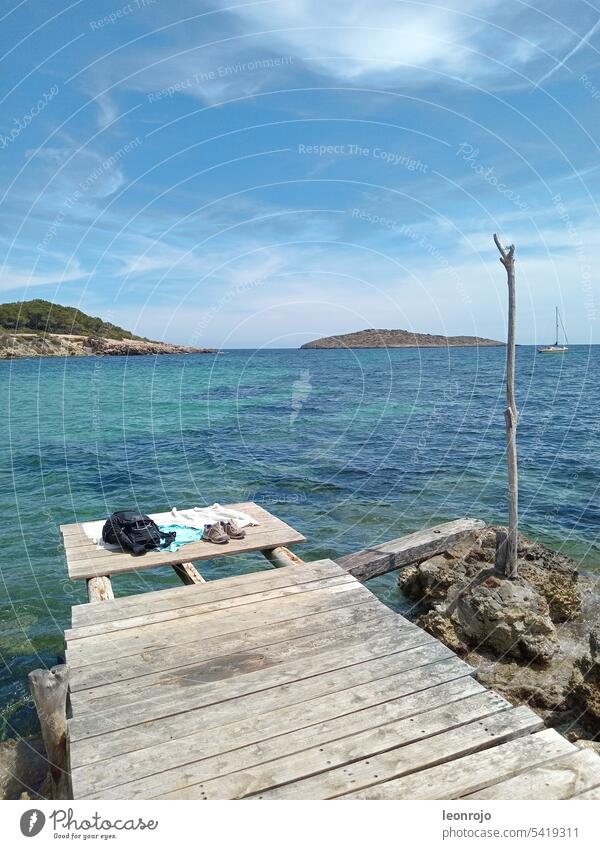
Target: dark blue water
<point>350,447</point>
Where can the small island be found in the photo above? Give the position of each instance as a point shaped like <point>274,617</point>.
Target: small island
<point>398,339</point>
<point>39,328</point>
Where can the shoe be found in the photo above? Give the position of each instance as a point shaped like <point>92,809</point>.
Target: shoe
<point>233,530</point>
<point>215,534</point>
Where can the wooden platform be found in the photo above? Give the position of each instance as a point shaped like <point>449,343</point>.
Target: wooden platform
<point>86,560</point>
<point>293,683</point>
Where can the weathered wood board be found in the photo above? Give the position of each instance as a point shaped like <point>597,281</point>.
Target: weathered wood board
<point>85,560</point>
<point>293,683</point>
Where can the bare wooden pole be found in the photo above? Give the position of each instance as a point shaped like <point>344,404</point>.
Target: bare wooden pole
<point>506,550</point>
<point>49,690</point>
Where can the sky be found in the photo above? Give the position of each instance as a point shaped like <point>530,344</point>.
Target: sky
<point>259,174</point>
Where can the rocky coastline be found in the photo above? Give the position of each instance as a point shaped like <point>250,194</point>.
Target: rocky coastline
<point>18,345</point>
<point>534,639</point>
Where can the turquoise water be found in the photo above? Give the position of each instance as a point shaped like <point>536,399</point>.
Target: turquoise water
<point>350,447</point>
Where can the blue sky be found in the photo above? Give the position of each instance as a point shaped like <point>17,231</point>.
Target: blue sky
<point>260,174</point>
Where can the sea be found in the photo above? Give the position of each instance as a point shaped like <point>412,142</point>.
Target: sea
<point>351,447</point>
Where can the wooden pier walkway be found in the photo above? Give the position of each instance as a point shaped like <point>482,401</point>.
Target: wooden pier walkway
<point>293,683</point>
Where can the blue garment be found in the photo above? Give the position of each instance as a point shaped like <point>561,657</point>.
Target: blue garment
<point>184,534</point>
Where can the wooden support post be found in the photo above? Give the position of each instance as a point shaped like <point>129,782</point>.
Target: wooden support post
<point>188,573</point>
<point>49,690</point>
<point>501,541</point>
<point>100,589</point>
<point>509,554</point>
<point>282,556</point>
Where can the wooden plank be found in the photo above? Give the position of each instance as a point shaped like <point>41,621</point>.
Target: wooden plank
<point>445,746</point>
<point>195,764</point>
<point>339,753</point>
<point>588,794</point>
<point>240,722</point>
<point>100,589</point>
<point>320,681</point>
<point>473,772</point>
<point>380,559</point>
<point>85,560</point>
<point>231,587</point>
<point>187,574</point>
<point>203,607</point>
<point>172,699</point>
<point>228,665</point>
<point>559,779</point>
<point>84,551</point>
<point>212,623</point>
<point>163,660</point>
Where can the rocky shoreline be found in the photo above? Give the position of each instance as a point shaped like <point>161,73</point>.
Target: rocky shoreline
<point>399,339</point>
<point>535,640</point>
<point>18,345</point>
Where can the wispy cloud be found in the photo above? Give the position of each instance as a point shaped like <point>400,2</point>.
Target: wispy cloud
<point>12,277</point>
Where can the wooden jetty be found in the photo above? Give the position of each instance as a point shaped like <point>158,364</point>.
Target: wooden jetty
<point>293,682</point>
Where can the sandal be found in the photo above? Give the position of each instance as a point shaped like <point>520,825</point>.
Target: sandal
<point>233,530</point>
<point>215,534</point>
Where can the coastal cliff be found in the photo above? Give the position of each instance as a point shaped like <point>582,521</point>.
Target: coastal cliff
<point>16,345</point>
<point>39,328</point>
<point>397,339</point>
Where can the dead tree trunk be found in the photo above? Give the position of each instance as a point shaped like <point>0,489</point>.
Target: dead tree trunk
<point>506,552</point>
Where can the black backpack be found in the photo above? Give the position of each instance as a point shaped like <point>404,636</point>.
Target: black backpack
<point>134,532</point>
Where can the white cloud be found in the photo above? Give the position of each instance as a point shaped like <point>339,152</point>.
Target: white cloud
<point>355,39</point>
<point>12,277</point>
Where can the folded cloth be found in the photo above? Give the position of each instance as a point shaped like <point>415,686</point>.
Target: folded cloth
<point>193,517</point>
<point>197,517</point>
<point>183,535</point>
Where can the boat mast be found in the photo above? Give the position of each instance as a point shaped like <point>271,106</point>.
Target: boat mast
<point>556,343</point>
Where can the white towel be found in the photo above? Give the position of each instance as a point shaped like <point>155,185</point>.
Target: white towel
<point>193,517</point>
<point>197,517</point>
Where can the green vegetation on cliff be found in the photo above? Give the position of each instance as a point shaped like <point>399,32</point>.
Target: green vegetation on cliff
<point>40,316</point>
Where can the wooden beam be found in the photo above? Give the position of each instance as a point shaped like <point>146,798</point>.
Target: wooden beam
<point>49,690</point>
<point>282,556</point>
<point>188,573</point>
<point>100,589</point>
<point>414,548</point>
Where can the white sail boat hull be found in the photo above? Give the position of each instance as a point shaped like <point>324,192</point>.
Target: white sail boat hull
<point>556,348</point>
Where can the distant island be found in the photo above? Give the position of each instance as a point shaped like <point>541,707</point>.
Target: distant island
<point>39,328</point>
<point>397,339</point>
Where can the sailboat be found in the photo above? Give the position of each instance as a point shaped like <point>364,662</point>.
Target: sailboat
<point>556,348</point>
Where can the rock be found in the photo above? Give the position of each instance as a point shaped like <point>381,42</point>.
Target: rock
<point>23,769</point>
<point>442,627</point>
<point>585,682</point>
<point>552,574</point>
<point>507,617</point>
<point>595,644</point>
<point>534,639</point>
<point>17,345</point>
